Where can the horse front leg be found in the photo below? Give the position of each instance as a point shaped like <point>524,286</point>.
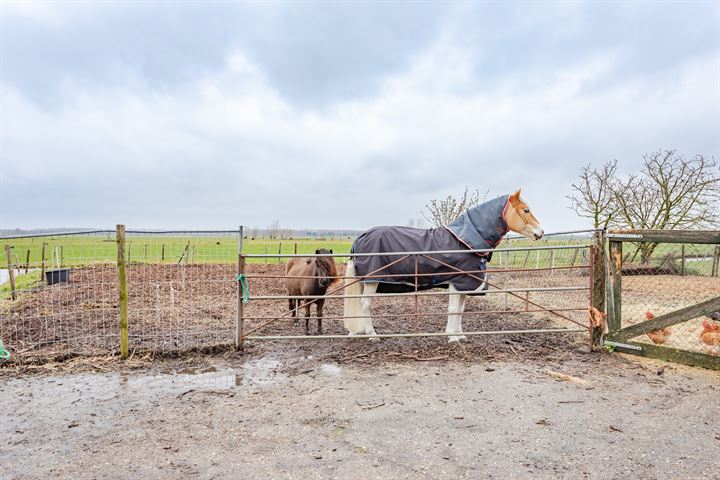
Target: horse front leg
<point>456,306</point>
<point>320,304</point>
<point>307,318</point>
<point>293,310</point>
<point>366,321</point>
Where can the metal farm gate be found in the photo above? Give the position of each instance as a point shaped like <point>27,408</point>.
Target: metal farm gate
<point>544,289</point>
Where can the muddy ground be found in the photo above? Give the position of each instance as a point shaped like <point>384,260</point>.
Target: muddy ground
<point>304,412</point>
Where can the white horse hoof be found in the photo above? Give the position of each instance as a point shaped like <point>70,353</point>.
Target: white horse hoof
<point>456,338</point>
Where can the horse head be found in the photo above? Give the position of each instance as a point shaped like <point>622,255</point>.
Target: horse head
<point>520,219</point>
<point>325,267</point>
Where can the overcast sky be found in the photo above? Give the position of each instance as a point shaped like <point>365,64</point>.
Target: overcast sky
<point>329,115</point>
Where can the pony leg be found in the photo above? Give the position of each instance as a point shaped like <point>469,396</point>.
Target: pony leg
<point>456,305</point>
<point>307,318</point>
<point>320,305</point>
<point>294,315</point>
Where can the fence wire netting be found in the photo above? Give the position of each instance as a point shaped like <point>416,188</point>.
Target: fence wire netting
<point>181,292</point>
<point>660,278</point>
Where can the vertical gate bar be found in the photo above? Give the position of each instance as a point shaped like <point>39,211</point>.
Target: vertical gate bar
<point>615,278</point>
<point>507,273</point>
<point>240,320</point>
<point>122,290</point>
<point>417,324</point>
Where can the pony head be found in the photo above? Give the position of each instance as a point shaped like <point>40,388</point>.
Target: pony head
<point>325,267</point>
<point>520,219</point>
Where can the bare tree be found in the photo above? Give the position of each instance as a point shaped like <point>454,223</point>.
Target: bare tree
<point>669,192</point>
<point>593,196</point>
<point>444,211</point>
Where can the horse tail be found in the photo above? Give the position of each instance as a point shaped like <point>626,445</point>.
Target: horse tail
<point>352,306</point>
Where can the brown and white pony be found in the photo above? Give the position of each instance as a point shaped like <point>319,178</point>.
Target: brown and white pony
<point>515,215</point>
<point>324,271</point>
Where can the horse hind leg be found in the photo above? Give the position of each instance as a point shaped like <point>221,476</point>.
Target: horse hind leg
<point>456,306</point>
<point>365,322</point>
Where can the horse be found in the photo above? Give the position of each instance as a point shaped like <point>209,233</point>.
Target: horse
<point>324,271</point>
<point>480,227</point>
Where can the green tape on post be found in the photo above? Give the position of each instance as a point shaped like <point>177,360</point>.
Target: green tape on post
<point>244,289</point>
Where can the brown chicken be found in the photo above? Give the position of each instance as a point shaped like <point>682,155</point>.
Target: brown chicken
<point>658,336</point>
<point>710,337</point>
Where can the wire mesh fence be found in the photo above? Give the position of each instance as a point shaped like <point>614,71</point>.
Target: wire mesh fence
<point>60,292</point>
<point>661,278</point>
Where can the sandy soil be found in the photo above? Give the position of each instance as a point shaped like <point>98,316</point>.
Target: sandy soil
<point>296,415</point>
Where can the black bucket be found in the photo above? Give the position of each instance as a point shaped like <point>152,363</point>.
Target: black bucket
<point>57,276</point>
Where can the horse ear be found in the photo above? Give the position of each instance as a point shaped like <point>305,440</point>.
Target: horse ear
<point>515,197</point>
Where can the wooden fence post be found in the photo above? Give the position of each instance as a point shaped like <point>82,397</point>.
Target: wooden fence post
<point>27,262</point>
<point>123,294</point>
<point>11,271</point>
<point>614,317</point>
<point>162,255</point>
<point>42,262</point>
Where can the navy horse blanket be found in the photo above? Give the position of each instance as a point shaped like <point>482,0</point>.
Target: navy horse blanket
<point>480,227</point>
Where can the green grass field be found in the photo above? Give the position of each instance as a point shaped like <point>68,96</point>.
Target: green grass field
<point>76,250</point>
<point>84,249</point>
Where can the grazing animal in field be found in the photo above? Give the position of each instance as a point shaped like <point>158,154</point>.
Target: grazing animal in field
<point>297,272</point>
<point>479,228</point>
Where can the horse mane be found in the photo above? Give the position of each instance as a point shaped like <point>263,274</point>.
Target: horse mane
<point>328,263</point>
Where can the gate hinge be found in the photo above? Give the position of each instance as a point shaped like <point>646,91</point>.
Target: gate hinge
<point>622,345</point>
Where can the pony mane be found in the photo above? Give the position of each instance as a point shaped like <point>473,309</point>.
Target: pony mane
<point>327,263</point>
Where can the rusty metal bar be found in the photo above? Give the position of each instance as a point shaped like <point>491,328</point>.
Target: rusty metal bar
<point>420,294</point>
<point>402,275</point>
<point>415,335</point>
<point>435,252</point>
<point>417,319</point>
<point>430,314</point>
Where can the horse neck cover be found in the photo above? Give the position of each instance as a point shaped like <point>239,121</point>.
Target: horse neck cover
<point>482,226</point>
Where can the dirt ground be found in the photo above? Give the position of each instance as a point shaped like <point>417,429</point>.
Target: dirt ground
<point>386,411</point>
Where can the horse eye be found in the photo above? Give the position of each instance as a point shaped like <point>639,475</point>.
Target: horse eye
<point>527,210</point>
